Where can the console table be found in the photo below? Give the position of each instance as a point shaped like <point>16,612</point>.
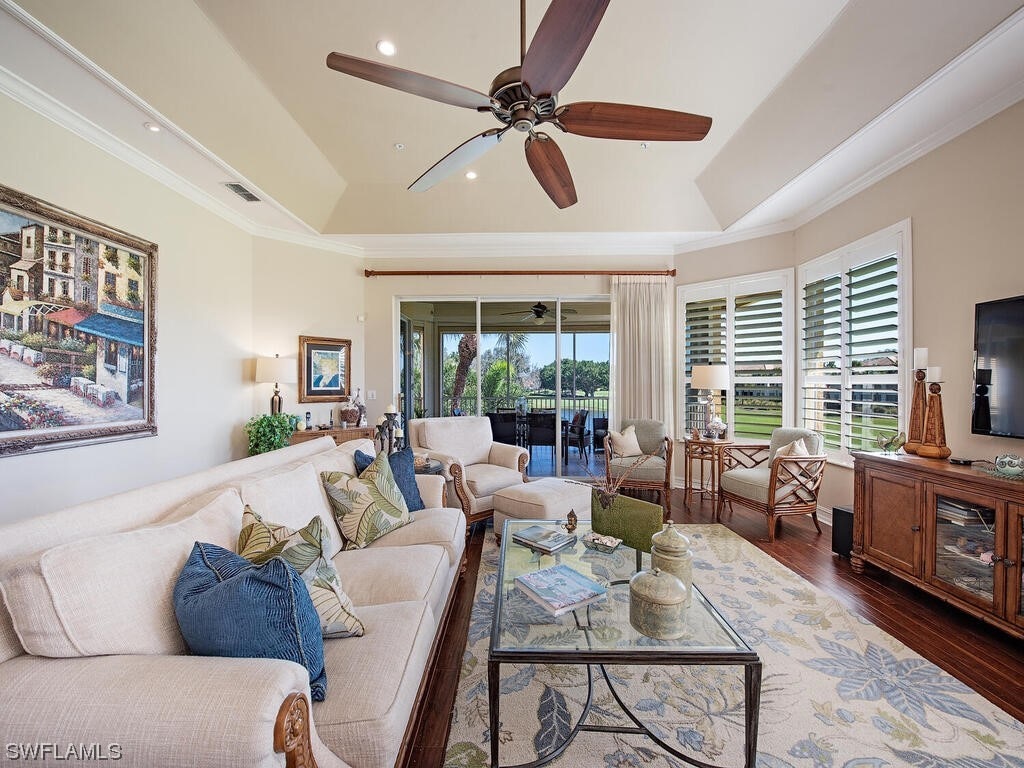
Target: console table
<point>340,435</point>
<point>953,531</point>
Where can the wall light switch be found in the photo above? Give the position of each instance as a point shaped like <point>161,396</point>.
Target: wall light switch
<point>371,394</point>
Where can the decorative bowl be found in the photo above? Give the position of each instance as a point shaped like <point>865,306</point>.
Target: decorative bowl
<point>1009,464</point>
<point>601,543</point>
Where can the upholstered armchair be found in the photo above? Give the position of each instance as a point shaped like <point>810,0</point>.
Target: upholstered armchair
<point>473,464</point>
<point>778,479</point>
<point>655,472</point>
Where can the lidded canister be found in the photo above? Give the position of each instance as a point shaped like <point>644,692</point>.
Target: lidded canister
<point>670,551</point>
<point>657,604</point>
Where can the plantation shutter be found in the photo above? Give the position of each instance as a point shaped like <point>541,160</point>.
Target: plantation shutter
<point>872,351</point>
<point>757,364</point>
<point>822,358</point>
<point>706,338</point>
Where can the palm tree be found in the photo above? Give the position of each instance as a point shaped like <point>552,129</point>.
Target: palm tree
<point>515,347</point>
<point>467,354</point>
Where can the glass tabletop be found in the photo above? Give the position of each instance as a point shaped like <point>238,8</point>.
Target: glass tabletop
<point>600,631</point>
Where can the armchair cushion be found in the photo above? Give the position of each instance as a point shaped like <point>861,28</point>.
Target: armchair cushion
<point>625,443</point>
<point>227,606</point>
<point>750,483</point>
<point>651,468</point>
<point>786,435</point>
<point>467,438</point>
<point>485,479</point>
<point>305,551</point>
<point>650,434</point>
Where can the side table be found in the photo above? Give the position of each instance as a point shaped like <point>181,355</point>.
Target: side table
<point>702,450</point>
<point>431,467</point>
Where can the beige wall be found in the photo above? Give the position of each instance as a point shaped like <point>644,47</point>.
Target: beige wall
<point>760,255</point>
<point>204,320</point>
<point>966,205</point>
<point>300,291</point>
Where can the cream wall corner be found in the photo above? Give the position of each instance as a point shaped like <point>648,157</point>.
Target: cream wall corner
<point>204,263</point>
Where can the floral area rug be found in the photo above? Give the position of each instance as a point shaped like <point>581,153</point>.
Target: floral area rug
<point>836,690</point>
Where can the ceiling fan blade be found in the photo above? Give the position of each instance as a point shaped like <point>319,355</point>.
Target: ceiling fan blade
<point>603,120</point>
<point>558,46</point>
<point>548,164</point>
<point>411,82</point>
<point>461,156</point>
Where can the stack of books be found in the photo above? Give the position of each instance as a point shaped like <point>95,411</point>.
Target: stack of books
<point>560,589</point>
<point>543,539</point>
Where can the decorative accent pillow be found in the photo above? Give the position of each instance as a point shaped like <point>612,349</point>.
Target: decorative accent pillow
<point>795,450</point>
<point>227,606</point>
<point>368,506</point>
<point>404,471</point>
<point>624,443</point>
<point>303,550</point>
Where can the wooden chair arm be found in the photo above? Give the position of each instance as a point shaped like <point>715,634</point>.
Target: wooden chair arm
<point>291,732</point>
<point>746,456</point>
<point>795,481</point>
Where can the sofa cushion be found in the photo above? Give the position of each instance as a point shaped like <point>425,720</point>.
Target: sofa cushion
<point>404,472</point>
<point>228,606</point>
<point>366,507</point>
<point>290,498</point>
<point>342,458</point>
<point>466,438</point>
<point>303,550</point>
<point>374,680</point>
<point>485,479</point>
<point>112,594</point>
<point>441,526</point>
<point>379,575</point>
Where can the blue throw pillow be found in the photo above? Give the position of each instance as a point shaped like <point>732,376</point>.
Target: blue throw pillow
<point>227,606</point>
<point>405,475</point>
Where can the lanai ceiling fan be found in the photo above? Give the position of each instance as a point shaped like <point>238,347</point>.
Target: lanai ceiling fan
<point>526,97</point>
<point>538,312</point>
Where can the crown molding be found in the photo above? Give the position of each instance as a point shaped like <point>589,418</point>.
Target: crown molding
<point>730,236</point>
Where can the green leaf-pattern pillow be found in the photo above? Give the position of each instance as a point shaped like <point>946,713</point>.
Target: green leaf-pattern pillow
<point>368,506</point>
<point>260,541</point>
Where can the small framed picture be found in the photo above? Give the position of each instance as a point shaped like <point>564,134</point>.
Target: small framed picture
<point>325,373</point>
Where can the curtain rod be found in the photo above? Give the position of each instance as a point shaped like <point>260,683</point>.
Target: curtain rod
<point>505,272</point>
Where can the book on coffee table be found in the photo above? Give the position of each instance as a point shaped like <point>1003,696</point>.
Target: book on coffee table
<point>560,589</point>
<point>543,538</point>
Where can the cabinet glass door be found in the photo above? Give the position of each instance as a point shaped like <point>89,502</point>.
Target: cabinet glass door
<point>1015,562</point>
<point>965,544</point>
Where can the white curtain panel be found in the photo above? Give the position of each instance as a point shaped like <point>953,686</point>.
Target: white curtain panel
<point>642,349</point>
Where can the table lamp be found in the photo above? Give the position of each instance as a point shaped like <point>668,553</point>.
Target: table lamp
<point>713,379</point>
<point>279,371</point>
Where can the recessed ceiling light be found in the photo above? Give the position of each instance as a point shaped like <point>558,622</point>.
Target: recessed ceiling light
<point>386,48</point>
<point>151,127</point>
<point>470,175</point>
<point>399,146</point>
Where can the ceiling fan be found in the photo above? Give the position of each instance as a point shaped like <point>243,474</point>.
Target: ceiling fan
<point>538,312</point>
<point>526,97</point>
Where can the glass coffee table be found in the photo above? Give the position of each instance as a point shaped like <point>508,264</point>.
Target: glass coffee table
<point>603,635</point>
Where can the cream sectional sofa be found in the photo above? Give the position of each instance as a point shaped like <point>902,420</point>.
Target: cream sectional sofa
<point>91,657</point>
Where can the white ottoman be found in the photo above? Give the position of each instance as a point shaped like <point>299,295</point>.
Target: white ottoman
<point>549,498</point>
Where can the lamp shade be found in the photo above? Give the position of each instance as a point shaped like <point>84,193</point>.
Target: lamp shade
<point>713,377</point>
<point>275,370</point>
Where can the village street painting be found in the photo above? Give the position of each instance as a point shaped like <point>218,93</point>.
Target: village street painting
<point>74,357</point>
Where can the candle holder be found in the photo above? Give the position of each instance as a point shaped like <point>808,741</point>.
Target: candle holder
<point>390,434</point>
<point>918,405</point>
<point>934,443</point>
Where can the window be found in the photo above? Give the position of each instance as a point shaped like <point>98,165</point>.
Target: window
<point>744,323</point>
<point>110,354</point>
<point>50,285</point>
<point>855,336</point>
<point>86,267</point>
<point>86,296</point>
<point>110,279</point>
<point>64,288</point>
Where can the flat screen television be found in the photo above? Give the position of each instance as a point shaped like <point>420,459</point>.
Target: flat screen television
<point>999,368</point>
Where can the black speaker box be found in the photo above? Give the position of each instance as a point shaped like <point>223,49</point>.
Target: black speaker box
<point>842,530</point>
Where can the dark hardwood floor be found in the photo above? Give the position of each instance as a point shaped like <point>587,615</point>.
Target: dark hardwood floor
<point>987,660</point>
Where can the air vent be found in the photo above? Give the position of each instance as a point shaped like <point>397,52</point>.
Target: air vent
<point>241,191</point>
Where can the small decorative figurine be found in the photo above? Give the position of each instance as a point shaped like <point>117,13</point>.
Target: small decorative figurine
<point>309,420</point>
<point>571,520</point>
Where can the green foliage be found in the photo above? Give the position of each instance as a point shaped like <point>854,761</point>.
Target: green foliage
<point>89,371</point>
<point>268,432</point>
<point>34,341</point>
<point>11,335</point>
<point>72,345</point>
<point>134,263</point>
<point>90,350</point>
<point>49,370</point>
<point>501,380</point>
<point>590,376</point>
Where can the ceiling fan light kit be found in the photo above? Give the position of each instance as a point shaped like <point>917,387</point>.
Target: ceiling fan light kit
<point>526,96</point>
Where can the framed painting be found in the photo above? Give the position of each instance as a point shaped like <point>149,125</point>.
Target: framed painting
<point>77,329</point>
<point>325,373</point>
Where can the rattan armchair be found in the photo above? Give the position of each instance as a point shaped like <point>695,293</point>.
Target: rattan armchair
<point>777,486</point>
<point>655,473</point>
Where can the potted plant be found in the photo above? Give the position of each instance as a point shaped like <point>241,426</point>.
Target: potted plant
<point>268,432</point>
